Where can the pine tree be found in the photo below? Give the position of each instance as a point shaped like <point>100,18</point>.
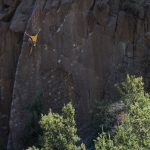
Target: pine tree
<point>134,132</point>
<point>59,131</point>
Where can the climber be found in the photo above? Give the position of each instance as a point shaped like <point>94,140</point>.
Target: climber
<point>33,39</point>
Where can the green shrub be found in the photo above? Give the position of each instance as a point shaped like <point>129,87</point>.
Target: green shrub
<point>59,131</point>
<point>33,148</point>
<point>101,115</point>
<point>134,132</point>
<point>103,142</point>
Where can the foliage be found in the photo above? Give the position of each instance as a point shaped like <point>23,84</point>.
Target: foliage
<point>33,148</point>
<point>59,131</point>
<point>134,132</point>
<point>101,116</point>
<point>103,142</point>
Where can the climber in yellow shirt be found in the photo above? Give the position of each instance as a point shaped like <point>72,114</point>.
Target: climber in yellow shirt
<point>33,39</point>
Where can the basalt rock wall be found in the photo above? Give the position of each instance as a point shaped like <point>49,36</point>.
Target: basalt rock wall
<point>83,48</point>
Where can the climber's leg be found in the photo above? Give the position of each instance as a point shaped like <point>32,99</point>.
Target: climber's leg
<point>30,41</point>
<point>31,50</point>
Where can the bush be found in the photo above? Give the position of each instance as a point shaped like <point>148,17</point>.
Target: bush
<point>33,148</point>
<point>134,132</point>
<point>59,131</point>
<point>101,115</point>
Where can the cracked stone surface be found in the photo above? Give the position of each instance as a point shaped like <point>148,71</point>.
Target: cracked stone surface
<point>84,47</point>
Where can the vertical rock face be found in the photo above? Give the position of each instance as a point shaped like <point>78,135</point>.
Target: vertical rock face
<point>9,52</point>
<point>10,48</point>
<point>84,47</point>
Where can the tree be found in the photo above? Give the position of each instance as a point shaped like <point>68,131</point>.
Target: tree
<point>59,131</point>
<point>134,132</point>
<point>33,148</point>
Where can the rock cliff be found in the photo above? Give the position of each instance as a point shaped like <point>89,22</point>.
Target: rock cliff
<point>84,47</point>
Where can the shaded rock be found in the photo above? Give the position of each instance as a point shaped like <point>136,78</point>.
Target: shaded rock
<point>147,39</point>
<point>22,15</point>
<point>9,52</point>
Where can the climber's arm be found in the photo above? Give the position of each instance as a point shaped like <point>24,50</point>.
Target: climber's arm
<point>27,34</point>
<point>38,32</point>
